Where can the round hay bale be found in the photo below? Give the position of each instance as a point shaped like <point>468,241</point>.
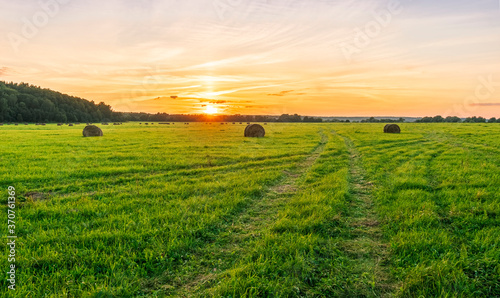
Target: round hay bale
<point>71,124</point>
<point>392,128</point>
<point>92,131</point>
<point>255,131</point>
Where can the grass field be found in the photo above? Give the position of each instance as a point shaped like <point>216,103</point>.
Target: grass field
<point>311,210</point>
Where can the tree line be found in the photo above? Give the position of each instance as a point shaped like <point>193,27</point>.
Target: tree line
<point>22,102</point>
<point>455,119</point>
<point>374,120</point>
<point>164,117</point>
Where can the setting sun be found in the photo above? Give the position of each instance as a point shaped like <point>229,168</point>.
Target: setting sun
<point>211,110</point>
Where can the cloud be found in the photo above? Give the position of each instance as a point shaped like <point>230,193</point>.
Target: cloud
<point>4,70</point>
<point>282,93</point>
<point>173,97</point>
<point>218,101</point>
<point>488,104</point>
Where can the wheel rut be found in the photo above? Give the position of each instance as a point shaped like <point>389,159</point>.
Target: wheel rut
<point>366,246</point>
<point>251,223</point>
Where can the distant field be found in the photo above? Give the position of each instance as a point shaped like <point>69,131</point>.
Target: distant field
<point>319,210</point>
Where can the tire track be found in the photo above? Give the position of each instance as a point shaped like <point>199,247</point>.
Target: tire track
<point>249,225</point>
<point>366,246</point>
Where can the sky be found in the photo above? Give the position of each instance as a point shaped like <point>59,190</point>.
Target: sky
<point>269,57</point>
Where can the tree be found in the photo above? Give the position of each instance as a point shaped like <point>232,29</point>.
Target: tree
<point>452,119</point>
<point>438,119</point>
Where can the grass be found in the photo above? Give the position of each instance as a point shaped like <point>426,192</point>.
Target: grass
<point>327,210</point>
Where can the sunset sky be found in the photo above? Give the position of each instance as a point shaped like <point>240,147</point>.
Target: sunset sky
<point>311,57</point>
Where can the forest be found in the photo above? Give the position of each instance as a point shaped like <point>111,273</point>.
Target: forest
<point>27,103</point>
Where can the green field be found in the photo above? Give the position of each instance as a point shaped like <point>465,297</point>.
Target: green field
<point>310,210</point>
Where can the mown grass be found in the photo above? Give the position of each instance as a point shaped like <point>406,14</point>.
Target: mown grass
<point>437,193</point>
<point>123,209</point>
<point>198,210</point>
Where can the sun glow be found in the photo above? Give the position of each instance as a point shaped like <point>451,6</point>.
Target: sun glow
<point>211,110</point>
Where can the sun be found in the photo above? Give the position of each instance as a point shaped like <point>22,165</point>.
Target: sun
<point>211,110</point>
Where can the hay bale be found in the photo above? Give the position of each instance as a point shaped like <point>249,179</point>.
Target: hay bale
<point>37,196</point>
<point>59,124</point>
<point>255,131</point>
<point>392,128</point>
<point>16,124</point>
<point>71,124</point>
<point>92,131</point>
